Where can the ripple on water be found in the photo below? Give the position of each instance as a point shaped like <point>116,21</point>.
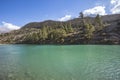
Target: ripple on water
<point>67,63</point>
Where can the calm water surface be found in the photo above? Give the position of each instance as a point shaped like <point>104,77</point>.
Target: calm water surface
<point>77,62</point>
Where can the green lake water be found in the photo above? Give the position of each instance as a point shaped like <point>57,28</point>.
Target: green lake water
<point>66,62</point>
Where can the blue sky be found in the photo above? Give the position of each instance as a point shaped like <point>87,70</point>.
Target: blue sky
<point>20,12</point>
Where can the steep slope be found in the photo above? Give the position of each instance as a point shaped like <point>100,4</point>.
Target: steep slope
<point>68,32</point>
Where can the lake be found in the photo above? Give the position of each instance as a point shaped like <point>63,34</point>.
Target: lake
<point>59,62</point>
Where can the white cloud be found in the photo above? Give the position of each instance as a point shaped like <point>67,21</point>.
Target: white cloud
<point>113,1</point>
<point>65,18</point>
<point>94,11</point>
<point>116,6</point>
<point>6,27</point>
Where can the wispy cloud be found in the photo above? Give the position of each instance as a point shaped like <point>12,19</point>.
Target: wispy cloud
<point>65,18</point>
<point>116,6</point>
<point>95,10</point>
<point>6,27</point>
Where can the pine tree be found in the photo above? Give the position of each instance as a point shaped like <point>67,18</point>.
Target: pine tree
<point>70,28</point>
<point>82,19</point>
<point>98,22</point>
<point>66,28</point>
<point>81,15</point>
<point>44,33</point>
<point>88,31</point>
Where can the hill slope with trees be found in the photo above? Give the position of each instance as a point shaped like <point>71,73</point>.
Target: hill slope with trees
<point>81,30</point>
